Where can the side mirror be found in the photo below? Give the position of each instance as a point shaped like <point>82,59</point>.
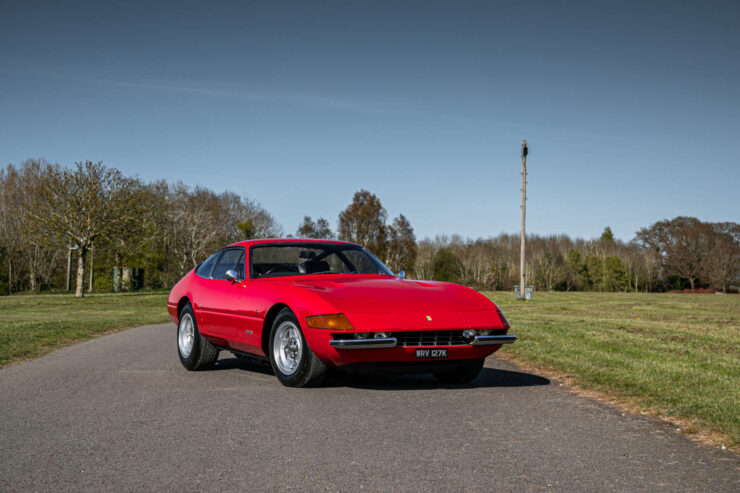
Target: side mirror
<point>401,275</point>
<point>231,275</point>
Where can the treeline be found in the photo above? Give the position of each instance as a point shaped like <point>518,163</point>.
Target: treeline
<point>682,253</point>
<point>152,233</point>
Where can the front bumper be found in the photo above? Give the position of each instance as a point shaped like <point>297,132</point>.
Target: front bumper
<point>384,342</point>
<point>389,342</point>
<point>496,339</point>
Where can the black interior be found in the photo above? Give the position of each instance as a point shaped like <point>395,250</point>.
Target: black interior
<point>314,266</point>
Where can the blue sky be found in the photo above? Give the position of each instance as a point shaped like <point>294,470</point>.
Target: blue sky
<point>631,110</point>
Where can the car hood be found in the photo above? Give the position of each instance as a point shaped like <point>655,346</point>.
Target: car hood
<point>377,303</point>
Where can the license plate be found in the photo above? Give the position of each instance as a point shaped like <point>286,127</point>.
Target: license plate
<point>431,353</point>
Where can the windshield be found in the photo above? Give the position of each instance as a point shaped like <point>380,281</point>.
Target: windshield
<point>298,259</point>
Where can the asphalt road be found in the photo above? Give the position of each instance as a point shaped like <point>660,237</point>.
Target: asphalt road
<point>120,413</point>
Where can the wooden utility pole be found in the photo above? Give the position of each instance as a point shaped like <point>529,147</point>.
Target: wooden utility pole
<point>524,215</point>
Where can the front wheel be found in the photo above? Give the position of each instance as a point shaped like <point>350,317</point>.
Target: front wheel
<point>194,350</point>
<point>293,362</point>
<point>462,374</point>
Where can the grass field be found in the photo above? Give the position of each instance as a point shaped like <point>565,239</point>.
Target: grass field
<point>31,325</point>
<point>674,355</point>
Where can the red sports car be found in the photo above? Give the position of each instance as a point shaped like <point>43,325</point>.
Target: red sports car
<point>307,305</point>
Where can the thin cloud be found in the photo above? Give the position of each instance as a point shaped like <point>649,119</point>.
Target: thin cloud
<point>262,96</point>
<point>323,102</point>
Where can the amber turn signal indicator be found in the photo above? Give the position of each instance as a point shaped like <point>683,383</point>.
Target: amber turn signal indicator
<point>336,321</point>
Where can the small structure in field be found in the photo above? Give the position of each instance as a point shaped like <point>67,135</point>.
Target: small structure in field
<point>528,290</point>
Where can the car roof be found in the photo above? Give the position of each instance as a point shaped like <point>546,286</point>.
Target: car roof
<point>264,241</point>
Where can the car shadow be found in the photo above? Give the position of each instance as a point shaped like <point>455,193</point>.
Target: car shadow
<point>245,364</point>
<point>489,377</point>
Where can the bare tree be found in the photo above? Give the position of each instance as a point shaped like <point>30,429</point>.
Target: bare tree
<point>243,218</point>
<point>363,222</point>
<point>423,264</point>
<point>193,226</point>
<point>549,269</point>
<point>10,222</point>
<point>197,222</point>
<point>318,229</point>
<point>632,260</point>
<point>401,252</point>
<point>85,204</point>
<point>722,265</point>
<point>682,243</point>
<point>22,235</point>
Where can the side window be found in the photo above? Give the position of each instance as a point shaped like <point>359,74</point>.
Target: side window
<point>204,269</point>
<point>240,268</point>
<point>225,262</point>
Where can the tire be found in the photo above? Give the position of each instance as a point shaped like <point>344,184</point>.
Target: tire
<point>292,361</point>
<point>462,374</point>
<point>202,354</point>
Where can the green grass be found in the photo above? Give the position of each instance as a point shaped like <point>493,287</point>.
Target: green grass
<point>31,325</point>
<point>676,355</point>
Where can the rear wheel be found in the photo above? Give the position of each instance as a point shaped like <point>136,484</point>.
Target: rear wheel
<point>293,362</point>
<point>462,374</point>
<point>194,350</point>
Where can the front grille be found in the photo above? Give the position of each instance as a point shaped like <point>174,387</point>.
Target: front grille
<point>430,338</point>
<point>423,337</point>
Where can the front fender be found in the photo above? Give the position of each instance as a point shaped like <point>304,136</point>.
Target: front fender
<point>181,289</point>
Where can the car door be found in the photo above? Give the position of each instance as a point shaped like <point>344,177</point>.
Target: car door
<point>246,320</point>
<point>220,298</point>
<point>202,291</point>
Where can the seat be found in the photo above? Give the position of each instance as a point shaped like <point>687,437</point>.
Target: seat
<point>313,266</point>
